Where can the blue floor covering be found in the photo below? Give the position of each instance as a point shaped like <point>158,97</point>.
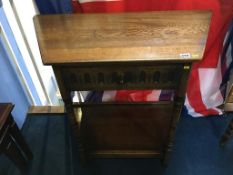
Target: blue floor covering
<point>196,151</point>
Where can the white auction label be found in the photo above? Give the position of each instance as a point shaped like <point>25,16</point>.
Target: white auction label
<point>185,55</point>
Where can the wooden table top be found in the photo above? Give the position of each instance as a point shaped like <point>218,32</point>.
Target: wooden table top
<point>120,37</point>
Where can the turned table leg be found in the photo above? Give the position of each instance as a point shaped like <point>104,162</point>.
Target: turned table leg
<point>175,120</point>
<point>227,134</point>
<point>178,105</point>
<point>76,131</point>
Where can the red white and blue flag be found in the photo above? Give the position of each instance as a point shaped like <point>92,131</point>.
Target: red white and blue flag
<point>208,78</point>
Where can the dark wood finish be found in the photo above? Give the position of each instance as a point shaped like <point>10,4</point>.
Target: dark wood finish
<point>12,142</point>
<point>123,128</point>
<point>5,110</point>
<point>122,77</point>
<point>228,103</point>
<point>152,50</point>
<point>227,134</point>
<point>178,105</point>
<point>66,96</point>
<point>228,107</point>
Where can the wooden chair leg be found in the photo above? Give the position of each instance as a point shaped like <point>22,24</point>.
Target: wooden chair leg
<point>14,154</point>
<point>19,139</point>
<point>227,134</point>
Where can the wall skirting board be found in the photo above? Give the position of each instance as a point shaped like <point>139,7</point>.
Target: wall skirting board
<point>45,110</point>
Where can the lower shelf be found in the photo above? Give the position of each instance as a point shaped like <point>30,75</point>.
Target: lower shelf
<point>124,154</point>
<point>121,130</point>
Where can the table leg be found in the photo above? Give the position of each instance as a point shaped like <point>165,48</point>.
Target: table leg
<point>14,154</point>
<point>18,137</point>
<point>176,116</point>
<point>227,134</point>
<point>178,105</point>
<point>76,140</point>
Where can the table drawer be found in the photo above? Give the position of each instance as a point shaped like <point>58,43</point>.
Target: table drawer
<point>88,78</point>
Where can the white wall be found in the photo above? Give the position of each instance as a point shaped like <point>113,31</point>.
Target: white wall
<point>20,17</point>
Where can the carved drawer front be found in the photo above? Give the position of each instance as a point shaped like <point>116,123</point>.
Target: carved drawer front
<point>89,78</point>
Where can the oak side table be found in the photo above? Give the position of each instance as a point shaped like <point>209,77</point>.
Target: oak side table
<point>136,51</point>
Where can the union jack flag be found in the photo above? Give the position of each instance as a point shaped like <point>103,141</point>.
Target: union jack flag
<point>208,78</point>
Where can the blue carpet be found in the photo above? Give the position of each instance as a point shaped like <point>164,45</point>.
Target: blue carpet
<point>196,151</point>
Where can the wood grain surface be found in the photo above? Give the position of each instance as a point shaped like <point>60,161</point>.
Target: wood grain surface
<point>119,37</point>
